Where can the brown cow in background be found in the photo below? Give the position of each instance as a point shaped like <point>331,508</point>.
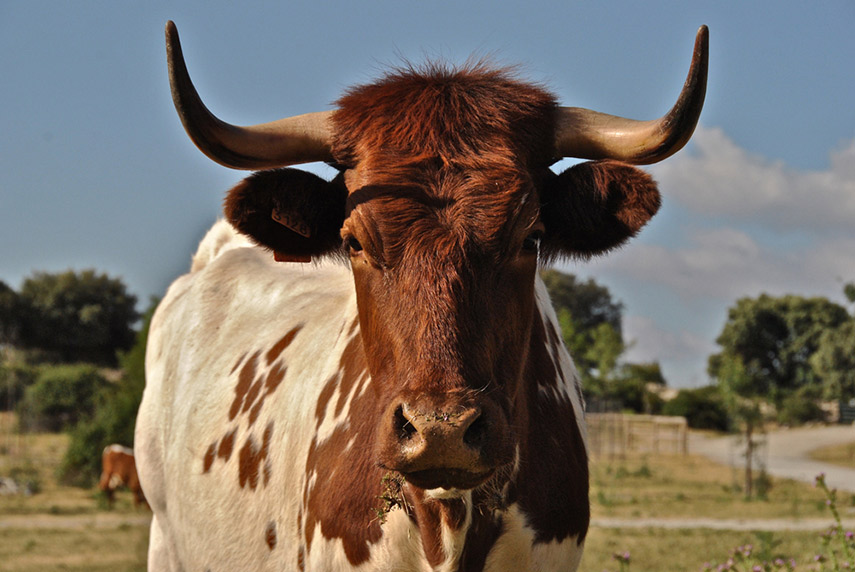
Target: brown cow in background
<point>118,468</point>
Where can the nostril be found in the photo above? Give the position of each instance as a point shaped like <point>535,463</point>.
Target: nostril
<point>476,433</point>
<point>403,427</point>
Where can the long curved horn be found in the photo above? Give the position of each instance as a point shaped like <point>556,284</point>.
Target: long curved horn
<point>587,134</point>
<point>289,141</point>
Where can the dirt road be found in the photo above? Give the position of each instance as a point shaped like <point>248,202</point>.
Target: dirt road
<point>786,453</point>
<point>48,521</point>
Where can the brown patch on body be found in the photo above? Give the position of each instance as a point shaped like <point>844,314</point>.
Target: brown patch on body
<point>252,460</point>
<point>483,533</point>
<point>245,378</point>
<point>345,481</point>
<point>270,535</point>
<point>254,383</point>
<point>226,445</point>
<point>237,364</point>
<point>301,550</point>
<point>430,516</point>
<point>280,346</point>
<point>210,455</point>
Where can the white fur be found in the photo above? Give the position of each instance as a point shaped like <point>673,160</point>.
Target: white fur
<point>119,449</point>
<point>453,540</point>
<point>570,391</point>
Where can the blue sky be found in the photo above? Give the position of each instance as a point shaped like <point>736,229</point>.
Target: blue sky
<point>96,171</point>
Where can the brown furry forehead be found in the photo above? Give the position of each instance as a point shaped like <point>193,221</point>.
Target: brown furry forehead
<point>398,222</point>
<point>474,114</point>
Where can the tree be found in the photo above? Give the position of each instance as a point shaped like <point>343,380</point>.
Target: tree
<point>644,372</point>
<point>590,323</point>
<point>589,303</point>
<point>114,417</point>
<point>77,316</point>
<point>849,292</point>
<point>10,314</point>
<point>774,338</point>
<point>15,378</point>
<point>635,379</point>
<point>834,361</point>
<point>604,350</point>
<point>742,401</point>
<point>703,408</point>
<point>60,397</point>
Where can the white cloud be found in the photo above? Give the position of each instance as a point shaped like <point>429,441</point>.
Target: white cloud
<point>720,179</point>
<point>759,226</point>
<point>726,264</point>
<point>752,226</point>
<point>648,342</point>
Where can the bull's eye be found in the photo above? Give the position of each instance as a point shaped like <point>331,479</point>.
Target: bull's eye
<point>532,242</point>
<point>353,245</point>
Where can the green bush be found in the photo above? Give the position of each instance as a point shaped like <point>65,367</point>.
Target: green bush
<point>14,380</point>
<point>113,420</point>
<point>703,408</point>
<point>799,408</point>
<point>60,397</point>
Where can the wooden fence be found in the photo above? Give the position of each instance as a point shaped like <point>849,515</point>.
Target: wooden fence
<point>615,434</point>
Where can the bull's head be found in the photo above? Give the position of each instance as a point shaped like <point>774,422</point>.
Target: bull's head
<point>444,204</point>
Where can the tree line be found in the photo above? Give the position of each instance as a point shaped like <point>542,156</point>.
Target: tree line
<point>73,357</point>
<point>788,352</point>
<point>72,360</point>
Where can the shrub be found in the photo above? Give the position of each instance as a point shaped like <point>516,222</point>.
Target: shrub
<point>60,397</point>
<point>114,418</point>
<point>14,380</point>
<point>799,408</point>
<point>112,422</point>
<point>703,408</point>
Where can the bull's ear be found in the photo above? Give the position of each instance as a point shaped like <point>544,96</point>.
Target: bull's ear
<point>594,207</point>
<point>294,213</point>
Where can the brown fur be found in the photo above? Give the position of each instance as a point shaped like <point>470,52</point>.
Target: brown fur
<point>317,203</point>
<point>472,118</point>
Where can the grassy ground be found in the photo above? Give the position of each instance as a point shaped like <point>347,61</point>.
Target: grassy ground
<point>639,486</point>
<point>843,455</point>
<point>691,486</point>
<point>672,486</point>
<point>687,550</point>
<point>75,530</point>
<point>87,549</point>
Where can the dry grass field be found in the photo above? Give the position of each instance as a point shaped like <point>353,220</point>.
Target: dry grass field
<point>843,455</point>
<point>677,486</point>
<point>58,527</point>
<point>669,488</point>
<point>71,529</point>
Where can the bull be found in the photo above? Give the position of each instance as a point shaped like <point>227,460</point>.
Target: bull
<point>404,402</point>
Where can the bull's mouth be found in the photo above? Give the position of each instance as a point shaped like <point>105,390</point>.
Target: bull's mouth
<point>447,478</point>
